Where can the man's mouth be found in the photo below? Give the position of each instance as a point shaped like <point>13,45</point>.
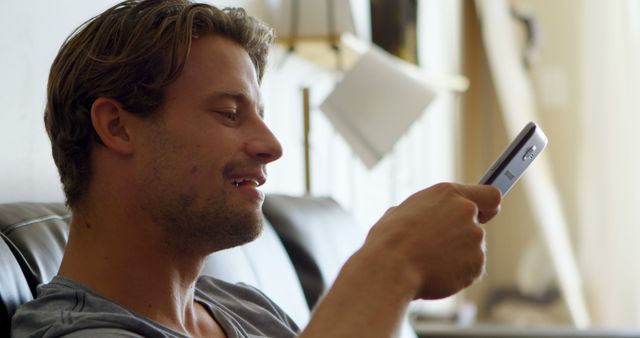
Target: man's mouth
<point>251,178</point>
<point>246,182</point>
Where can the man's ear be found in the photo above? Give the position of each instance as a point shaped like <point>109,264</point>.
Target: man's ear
<point>109,120</point>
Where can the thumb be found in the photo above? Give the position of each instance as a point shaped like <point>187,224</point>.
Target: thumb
<point>487,198</point>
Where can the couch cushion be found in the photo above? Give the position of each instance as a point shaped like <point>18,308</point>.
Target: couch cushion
<point>265,265</point>
<point>39,231</point>
<point>319,236</point>
<point>14,289</point>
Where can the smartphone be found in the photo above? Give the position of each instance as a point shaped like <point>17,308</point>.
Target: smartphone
<point>513,162</point>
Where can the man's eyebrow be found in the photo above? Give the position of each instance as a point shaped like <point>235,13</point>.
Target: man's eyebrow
<point>237,96</point>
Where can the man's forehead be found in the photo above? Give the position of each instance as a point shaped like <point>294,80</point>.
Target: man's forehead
<point>216,68</point>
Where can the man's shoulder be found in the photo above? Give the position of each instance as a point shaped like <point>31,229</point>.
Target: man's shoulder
<point>233,295</point>
<point>63,308</point>
<point>62,295</point>
<point>210,286</point>
<point>245,303</point>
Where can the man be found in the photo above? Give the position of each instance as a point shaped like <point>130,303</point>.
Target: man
<point>155,117</point>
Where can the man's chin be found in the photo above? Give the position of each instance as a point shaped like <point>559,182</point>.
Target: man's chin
<point>206,230</point>
<point>246,230</point>
<point>251,231</point>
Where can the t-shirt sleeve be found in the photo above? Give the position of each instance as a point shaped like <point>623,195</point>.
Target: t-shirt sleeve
<point>275,308</point>
<point>249,307</point>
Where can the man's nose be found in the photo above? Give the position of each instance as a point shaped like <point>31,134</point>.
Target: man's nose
<point>262,144</point>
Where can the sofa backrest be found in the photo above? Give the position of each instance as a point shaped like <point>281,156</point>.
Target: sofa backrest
<point>14,289</point>
<point>34,236</point>
<point>265,265</point>
<point>319,236</point>
<point>39,233</point>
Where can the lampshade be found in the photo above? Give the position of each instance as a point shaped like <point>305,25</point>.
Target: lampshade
<point>376,102</point>
<point>309,19</point>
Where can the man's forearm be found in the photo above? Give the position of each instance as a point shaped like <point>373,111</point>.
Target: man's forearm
<point>368,299</point>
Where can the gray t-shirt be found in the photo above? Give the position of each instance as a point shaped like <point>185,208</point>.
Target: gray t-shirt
<point>65,308</point>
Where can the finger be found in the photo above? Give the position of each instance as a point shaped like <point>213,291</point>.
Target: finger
<point>486,215</point>
<point>486,197</point>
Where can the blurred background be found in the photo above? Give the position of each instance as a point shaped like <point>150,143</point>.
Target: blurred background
<point>562,252</point>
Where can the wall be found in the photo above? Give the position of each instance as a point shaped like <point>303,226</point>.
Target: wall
<point>555,76</point>
<point>32,31</point>
<point>30,35</point>
<point>517,259</point>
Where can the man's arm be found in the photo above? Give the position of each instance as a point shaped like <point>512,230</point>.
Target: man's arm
<point>428,247</point>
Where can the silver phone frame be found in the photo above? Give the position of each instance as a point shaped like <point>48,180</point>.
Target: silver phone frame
<point>514,161</point>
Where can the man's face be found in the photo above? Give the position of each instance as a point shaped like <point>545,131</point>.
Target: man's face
<point>206,154</point>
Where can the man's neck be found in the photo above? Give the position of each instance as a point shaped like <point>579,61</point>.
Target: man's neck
<point>130,265</point>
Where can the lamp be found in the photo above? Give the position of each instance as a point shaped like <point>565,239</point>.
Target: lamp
<point>379,96</point>
<point>309,19</point>
<point>376,102</point>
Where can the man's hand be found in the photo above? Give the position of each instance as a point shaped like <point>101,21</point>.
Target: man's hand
<point>434,237</point>
<point>429,247</point>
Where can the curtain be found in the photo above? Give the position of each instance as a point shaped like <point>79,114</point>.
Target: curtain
<point>609,195</point>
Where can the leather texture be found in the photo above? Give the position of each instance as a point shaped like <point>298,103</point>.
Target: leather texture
<point>14,289</point>
<point>35,234</point>
<point>313,237</point>
<point>39,232</point>
<point>265,265</point>
<point>319,236</point>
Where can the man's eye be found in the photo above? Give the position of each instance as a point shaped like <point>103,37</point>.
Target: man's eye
<point>231,116</point>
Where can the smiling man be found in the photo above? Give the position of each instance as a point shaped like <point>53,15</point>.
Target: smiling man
<point>155,117</point>
<point>202,160</point>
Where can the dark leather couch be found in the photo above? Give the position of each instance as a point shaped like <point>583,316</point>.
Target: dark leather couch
<point>305,242</point>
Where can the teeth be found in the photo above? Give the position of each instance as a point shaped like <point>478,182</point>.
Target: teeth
<point>248,181</point>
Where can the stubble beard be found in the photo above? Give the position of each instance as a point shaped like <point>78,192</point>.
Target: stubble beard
<point>205,228</point>
<point>193,224</point>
